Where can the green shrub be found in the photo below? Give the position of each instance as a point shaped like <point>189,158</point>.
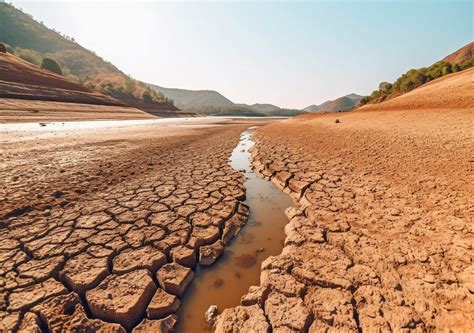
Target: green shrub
<point>51,65</point>
<point>28,55</point>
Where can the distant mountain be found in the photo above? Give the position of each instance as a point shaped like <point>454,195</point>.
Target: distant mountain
<point>265,107</point>
<point>340,104</point>
<point>189,99</point>
<point>462,55</point>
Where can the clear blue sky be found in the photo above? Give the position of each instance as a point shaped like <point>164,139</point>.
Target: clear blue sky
<point>285,53</point>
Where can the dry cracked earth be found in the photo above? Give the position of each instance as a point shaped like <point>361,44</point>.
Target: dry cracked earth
<point>381,238</point>
<point>100,229</point>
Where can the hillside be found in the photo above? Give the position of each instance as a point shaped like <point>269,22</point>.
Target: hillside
<point>452,91</point>
<point>343,103</point>
<point>22,80</point>
<point>462,55</point>
<point>32,41</point>
<point>264,107</point>
<point>187,99</point>
<point>459,60</point>
<point>29,93</point>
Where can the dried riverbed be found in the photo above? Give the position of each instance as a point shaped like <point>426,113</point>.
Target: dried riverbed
<point>100,228</point>
<point>224,283</point>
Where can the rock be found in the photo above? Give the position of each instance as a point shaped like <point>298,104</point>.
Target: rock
<point>184,256</point>
<point>162,304</point>
<point>242,319</point>
<point>337,121</point>
<point>122,298</point>
<point>165,325</point>
<point>211,314</point>
<point>174,278</point>
<point>208,254</point>
<point>146,257</point>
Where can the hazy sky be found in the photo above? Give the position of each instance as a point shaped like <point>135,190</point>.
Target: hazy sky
<point>292,54</point>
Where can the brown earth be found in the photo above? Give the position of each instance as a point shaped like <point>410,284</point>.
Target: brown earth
<point>461,55</point>
<point>382,237</point>
<point>18,110</point>
<point>452,91</point>
<point>90,220</point>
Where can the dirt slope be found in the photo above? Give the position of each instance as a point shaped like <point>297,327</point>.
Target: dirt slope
<point>461,55</point>
<point>451,91</point>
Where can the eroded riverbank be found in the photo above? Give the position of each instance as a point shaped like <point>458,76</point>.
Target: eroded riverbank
<point>224,283</point>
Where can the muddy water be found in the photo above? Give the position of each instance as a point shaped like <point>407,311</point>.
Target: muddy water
<point>224,283</point>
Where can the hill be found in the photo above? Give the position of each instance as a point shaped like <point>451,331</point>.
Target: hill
<point>265,107</point>
<point>188,99</point>
<point>22,80</point>
<point>343,103</point>
<point>452,91</point>
<point>462,55</point>
<point>33,41</point>
<point>414,78</point>
<point>29,93</point>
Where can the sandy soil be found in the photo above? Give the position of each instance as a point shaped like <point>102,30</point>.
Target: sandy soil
<point>382,237</point>
<point>100,228</point>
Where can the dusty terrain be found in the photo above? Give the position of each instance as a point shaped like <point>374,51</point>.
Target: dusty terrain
<point>100,228</point>
<point>383,233</point>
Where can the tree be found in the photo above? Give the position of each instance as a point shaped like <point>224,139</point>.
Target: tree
<point>130,86</point>
<point>385,87</point>
<point>147,97</point>
<point>51,65</point>
<point>27,55</point>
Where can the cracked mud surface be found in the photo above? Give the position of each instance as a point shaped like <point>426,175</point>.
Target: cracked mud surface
<point>381,239</point>
<point>100,229</point>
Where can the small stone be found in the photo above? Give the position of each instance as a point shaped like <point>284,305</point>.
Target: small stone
<point>211,314</point>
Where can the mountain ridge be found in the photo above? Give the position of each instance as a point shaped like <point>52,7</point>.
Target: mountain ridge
<point>343,103</point>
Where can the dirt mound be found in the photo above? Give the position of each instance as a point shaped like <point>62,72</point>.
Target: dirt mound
<point>461,55</point>
<point>453,91</point>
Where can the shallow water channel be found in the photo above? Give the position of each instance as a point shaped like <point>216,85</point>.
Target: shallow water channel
<point>225,282</point>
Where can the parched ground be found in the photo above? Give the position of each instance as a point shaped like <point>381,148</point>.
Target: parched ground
<point>382,237</point>
<point>100,228</point>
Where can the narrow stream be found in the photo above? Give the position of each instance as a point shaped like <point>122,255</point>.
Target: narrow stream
<point>224,283</point>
